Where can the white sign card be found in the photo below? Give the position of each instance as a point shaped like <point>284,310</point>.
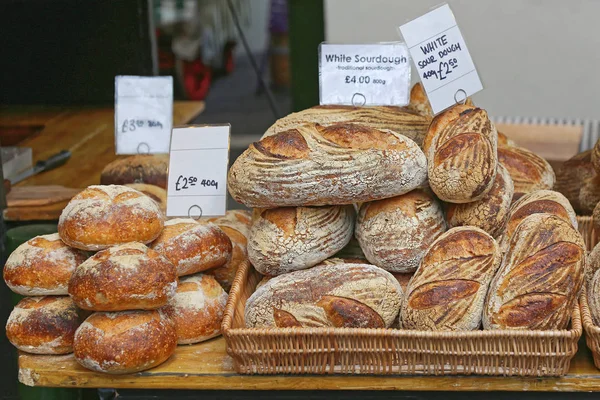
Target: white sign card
<point>441,58</point>
<point>198,163</point>
<point>364,74</point>
<point>143,114</point>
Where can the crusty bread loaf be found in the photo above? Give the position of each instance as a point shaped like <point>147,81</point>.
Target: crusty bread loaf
<point>419,102</point>
<point>528,171</point>
<point>596,215</point>
<point>571,175</point>
<point>316,165</point>
<point>448,290</point>
<point>394,233</point>
<point>140,168</point>
<point>504,141</point>
<point>193,247</point>
<point>42,266</point>
<point>596,156</point>
<point>126,277</point>
<point>491,212</point>
<point>104,216</point>
<point>589,194</point>
<point>593,297</point>
<point>461,154</point>
<point>44,325</point>
<point>156,193</point>
<point>197,308</point>
<point>540,277</point>
<point>340,295</point>
<point>288,239</point>
<point>125,342</point>
<point>592,263</point>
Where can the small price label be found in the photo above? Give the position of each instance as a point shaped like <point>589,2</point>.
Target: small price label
<point>143,114</point>
<point>198,171</point>
<point>364,74</point>
<point>441,58</point>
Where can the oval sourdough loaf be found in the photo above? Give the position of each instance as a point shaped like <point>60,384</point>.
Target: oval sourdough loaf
<point>448,290</point>
<point>104,216</point>
<point>571,176</point>
<point>589,195</point>
<point>197,308</point>
<point>592,264</point>
<point>126,277</point>
<point>42,266</point>
<point>461,154</point>
<point>292,238</point>
<point>44,325</point>
<point>340,295</point>
<point>394,233</point>
<point>125,342</point>
<point>314,165</point>
<point>156,193</point>
<point>140,168</point>
<point>491,212</point>
<point>540,277</point>
<point>593,297</point>
<point>528,171</point>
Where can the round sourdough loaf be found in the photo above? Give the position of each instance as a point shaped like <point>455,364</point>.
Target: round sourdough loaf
<point>44,325</point>
<point>193,247</point>
<point>140,168</point>
<point>394,233</point>
<point>528,171</point>
<point>589,195</point>
<point>571,175</point>
<point>592,264</point>
<point>288,239</point>
<point>42,266</point>
<point>126,277</point>
<point>593,297</point>
<point>156,193</point>
<point>125,342</point>
<point>104,216</point>
<point>197,308</point>
<point>448,290</point>
<point>491,212</point>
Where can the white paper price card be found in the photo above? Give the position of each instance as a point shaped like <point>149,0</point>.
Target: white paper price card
<point>364,74</point>
<point>198,163</point>
<point>143,114</point>
<point>441,58</point>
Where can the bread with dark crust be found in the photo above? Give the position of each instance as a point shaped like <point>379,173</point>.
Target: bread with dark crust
<point>528,171</point>
<point>140,168</point>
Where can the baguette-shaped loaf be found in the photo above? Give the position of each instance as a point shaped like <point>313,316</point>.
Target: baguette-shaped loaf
<point>528,171</point>
<point>540,277</point>
<point>339,295</point>
<point>589,194</point>
<point>593,293</point>
<point>394,233</point>
<point>314,165</point>
<point>571,176</point>
<point>448,290</point>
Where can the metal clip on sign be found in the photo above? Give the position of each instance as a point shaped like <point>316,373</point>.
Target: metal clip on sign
<point>359,100</point>
<point>460,99</point>
<point>143,148</point>
<point>190,214</point>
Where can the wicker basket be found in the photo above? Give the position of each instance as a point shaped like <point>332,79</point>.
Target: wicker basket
<point>390,351</point>
<point>586,228</point>
<point>592,332</point>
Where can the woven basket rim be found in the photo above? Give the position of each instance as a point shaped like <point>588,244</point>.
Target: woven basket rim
<point>586,315</point>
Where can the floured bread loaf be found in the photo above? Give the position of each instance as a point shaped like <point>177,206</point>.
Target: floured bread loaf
<point>42,266</point>
<point>104,216</point>
<point>448,290</point>
<point>589,194</point>
<point>419,103</point>
<point>316,165</point>
<point>504,141</point>
<point>592,263</point>
<point>571,175</point>
<point>340,295</point>
<point>140,168</point>
<point>528,171</point>
<point>292,238</point>
<point>156,193</point>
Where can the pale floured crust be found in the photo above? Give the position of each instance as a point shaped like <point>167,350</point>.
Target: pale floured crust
<point>42,266</point>
<point>288,239</point>
<point>140,168</point>
<point>528,171</point>
<point>592,264</point>
<point>104,216</point>
<point>395,233</point>
<point>197,308</point>
<point>340,295</point>
<point>571,175</point>
<point>589,194</point>
<point>540,277</point>
<point>156,193</point>
<point>448,290</point>
<point>315,165</point>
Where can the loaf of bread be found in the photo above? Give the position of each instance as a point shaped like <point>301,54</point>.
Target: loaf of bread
<point>589,194</point>
<point>571,176</point>
<point>596,215</point>
<point>540,277</point>
<point>314,165</point>
<point>491,212</point>
<point>504,141</point>
<point>592,264</point>
<point>193,247</point>
<point>596,156</point>
<point>156,193</point>
<point>289,239</point>
<point>141,168</point>
<point>197,308</point>
<point>340,295</point>
<point>42,266</point>
<point>394,233</point>
<point>448,290</point>
<point>43,325</point>
<point>126,277</point>
<point>528,171</point>
<point>461,154</point>
<point>419,102</point>
<point>104,216</point>
<point>125,342</point>
<point>593,297</point>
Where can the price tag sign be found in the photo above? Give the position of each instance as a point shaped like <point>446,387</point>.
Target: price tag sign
<point>198,163</point>
<point>364,74</point>
<point>441,58</point>
<point>143,114</point>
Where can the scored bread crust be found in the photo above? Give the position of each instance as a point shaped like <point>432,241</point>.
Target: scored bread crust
<point>156,193</point>
<point>140,168</point>
<point>592,264</point>
<point>288,239</point>
<point>528,171</point>
<point>313,165</point>
<point>448,290</point>
<point>589,194</point>
<point>571,175</point>
<point>593,297</point>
